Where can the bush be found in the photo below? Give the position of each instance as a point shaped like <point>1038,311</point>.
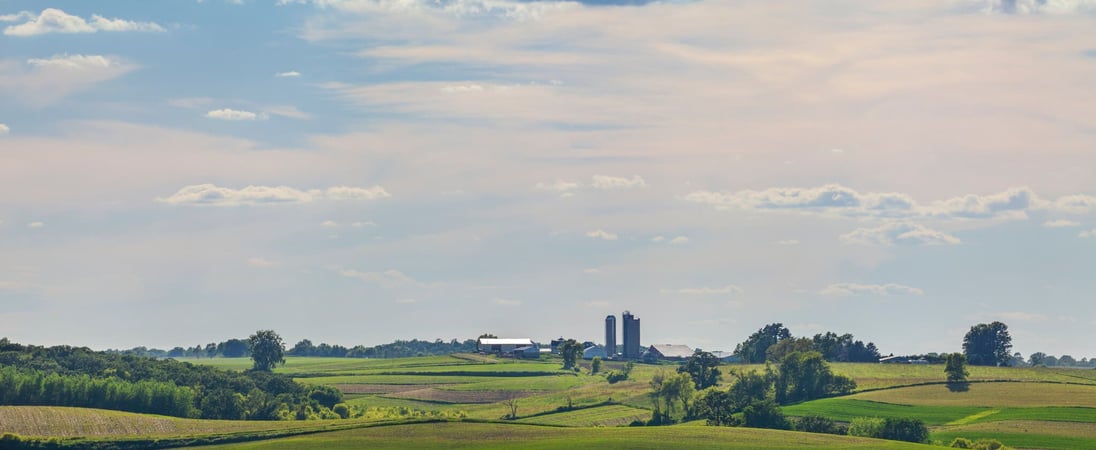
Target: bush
<point>981,444</point>
<point>765,414</point>
<point>905,429</point>
<point>342,410</point>
<point>819,424</point>
<point>866,427</point>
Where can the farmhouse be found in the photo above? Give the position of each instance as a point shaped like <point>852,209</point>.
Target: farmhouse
<point>594,351</point>
<point>671,352</point>
<point>503,345</point>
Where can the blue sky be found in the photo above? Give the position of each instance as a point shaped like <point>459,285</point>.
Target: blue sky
<point>358,171</point>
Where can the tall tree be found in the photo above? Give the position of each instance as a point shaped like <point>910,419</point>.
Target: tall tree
<point>703,367</point>
<point>955,366</point>
<point>571,350</point>
<point>267,349</point>
<point>988,344</point>
<point>753,349</point>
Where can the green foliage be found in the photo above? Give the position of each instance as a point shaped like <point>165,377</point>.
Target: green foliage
<point>981,444</point>
<point>819,424</point>
<point>33,387</point>
<point>595,365</point>
<point>717,408</point>
<point>904,429</point>
<point>754,348</point>
<point>844,348</point>
<point>267,350</point>
<point>571,351</point>
<point>328,396</point>
<point>703,368</point>
<point>670,391</point>
<point>749,387</point>
<point>778,351</point>
<point>806,376</point>
<point>955,367</point>
<point>988,344</point>
<point>765,414</point>
<point>866,427</point>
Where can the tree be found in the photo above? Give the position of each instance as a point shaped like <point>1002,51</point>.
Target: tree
<point>765,414</point>
<point>904,429</point>
<point>211,350</point>
<point>955,366</point>
<point>571,351</point>
<point>267,350</point>
<point>806,376</point>
<point>753,349</point>
<point>595,365</point>
<point>749,387</point>
<point>781,349</point>
<point>703,367</point>
<point>988,344</point>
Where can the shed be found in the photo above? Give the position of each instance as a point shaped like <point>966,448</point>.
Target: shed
<point>669,352</point>
<point>594,351</point>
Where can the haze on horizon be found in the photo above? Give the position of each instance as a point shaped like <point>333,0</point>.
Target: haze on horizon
<point>359,171</point>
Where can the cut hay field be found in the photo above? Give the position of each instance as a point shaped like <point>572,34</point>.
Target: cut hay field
<point>608,416</point>
<point>516,436</point>
<point>988,394</point>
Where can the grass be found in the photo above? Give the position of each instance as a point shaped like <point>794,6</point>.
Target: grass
<point>869,376</point>
<point>989,395</point>
<point>609,415</point>
<point>844,409</point>
<point>515,436</point>
<point>1026,434</point>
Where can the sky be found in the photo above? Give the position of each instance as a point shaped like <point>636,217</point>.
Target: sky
<point>360,171</point>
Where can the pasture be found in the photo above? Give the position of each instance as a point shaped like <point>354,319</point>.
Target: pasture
<point>1023,407</point>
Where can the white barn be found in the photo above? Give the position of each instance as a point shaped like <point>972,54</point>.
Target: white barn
<point>503,345</point>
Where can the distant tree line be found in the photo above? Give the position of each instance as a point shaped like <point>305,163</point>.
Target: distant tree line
<point>76,376</point>
<point>774,341</point>
<point>397,349</point>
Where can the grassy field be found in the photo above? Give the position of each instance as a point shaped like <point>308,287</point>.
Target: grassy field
<point>1035,408</point>
<point>514,436</point>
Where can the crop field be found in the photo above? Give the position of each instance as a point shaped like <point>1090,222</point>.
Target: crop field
<point>609,415</point>
<point>515,436</point>
<point>988,394</point>
<point>1027,408</point>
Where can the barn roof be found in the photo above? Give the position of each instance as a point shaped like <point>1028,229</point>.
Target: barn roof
<point>673,351</point>
<point>505,341</point>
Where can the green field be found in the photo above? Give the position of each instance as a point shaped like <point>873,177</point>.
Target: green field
<point>1022,407</point>
<point>514,436</point>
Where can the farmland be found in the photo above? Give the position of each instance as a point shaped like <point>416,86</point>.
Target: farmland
<point>464,400</point>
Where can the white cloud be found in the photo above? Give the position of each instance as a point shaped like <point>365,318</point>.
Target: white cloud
<point>838,200</point>
<point>728,289</point>
<point>290,74</point>
<point>36,225</point>
<point>44,81</point>
<point>847,289</point>
<point>1088,233</point>
<point>329,224</point>
<point>4,129</point>
<point>608,182</point>
<point>1061,223</point>
<point>1052,7</point>
<point>602,234</point>
<point>363,224</point>
<point>899,233</point>
<point>506,302</point>
<point>232,114</point>
<point>658,239</point>
<point>210,194</point>
<point>52,20</point>
<point>260,262</point>
<point>356,193</point>
<point>559,186</point>
<point>680,240</point>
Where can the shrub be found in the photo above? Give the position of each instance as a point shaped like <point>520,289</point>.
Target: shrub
<point>905,429</point>
<point>765,414</point>
<point>819,424</point>
<point>981,444</point>
<point>866,427</point>
<point>342,410</point>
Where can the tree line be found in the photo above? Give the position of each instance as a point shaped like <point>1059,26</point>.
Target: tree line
<point>78,376</point>
<point>238,348</point>
<point>774,341</point>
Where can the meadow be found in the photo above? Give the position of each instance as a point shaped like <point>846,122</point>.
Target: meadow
<point>461,401</point>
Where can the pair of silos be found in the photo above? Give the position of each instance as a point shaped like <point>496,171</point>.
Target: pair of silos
<point>630,324</point>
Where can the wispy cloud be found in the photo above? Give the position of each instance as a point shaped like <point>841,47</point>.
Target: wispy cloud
<point>899,234</point>
<point>853,289</point>
<point>1088,234</point>
<point>506,301</point>
<point>210,194</point>
<point>232,114</point>
<point>4,129</point>
<point>602,234</point>
<point>36,224</point>
<point>53,20</point>
<point>388,278</point>
<point>597,182</point>
<point>290,74</point>
<point>728,289</point>
<point>1061,223</point>
<point>44,81</point>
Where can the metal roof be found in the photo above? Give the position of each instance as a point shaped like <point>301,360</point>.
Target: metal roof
<point>673,351</point>
<point>505,341</point>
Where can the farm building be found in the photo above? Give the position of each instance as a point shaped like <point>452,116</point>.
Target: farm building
<point>594,351</point>
<point>503,345</point>
<point>667,352</point>
<point>727,357</point>
<point>527,352</point>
